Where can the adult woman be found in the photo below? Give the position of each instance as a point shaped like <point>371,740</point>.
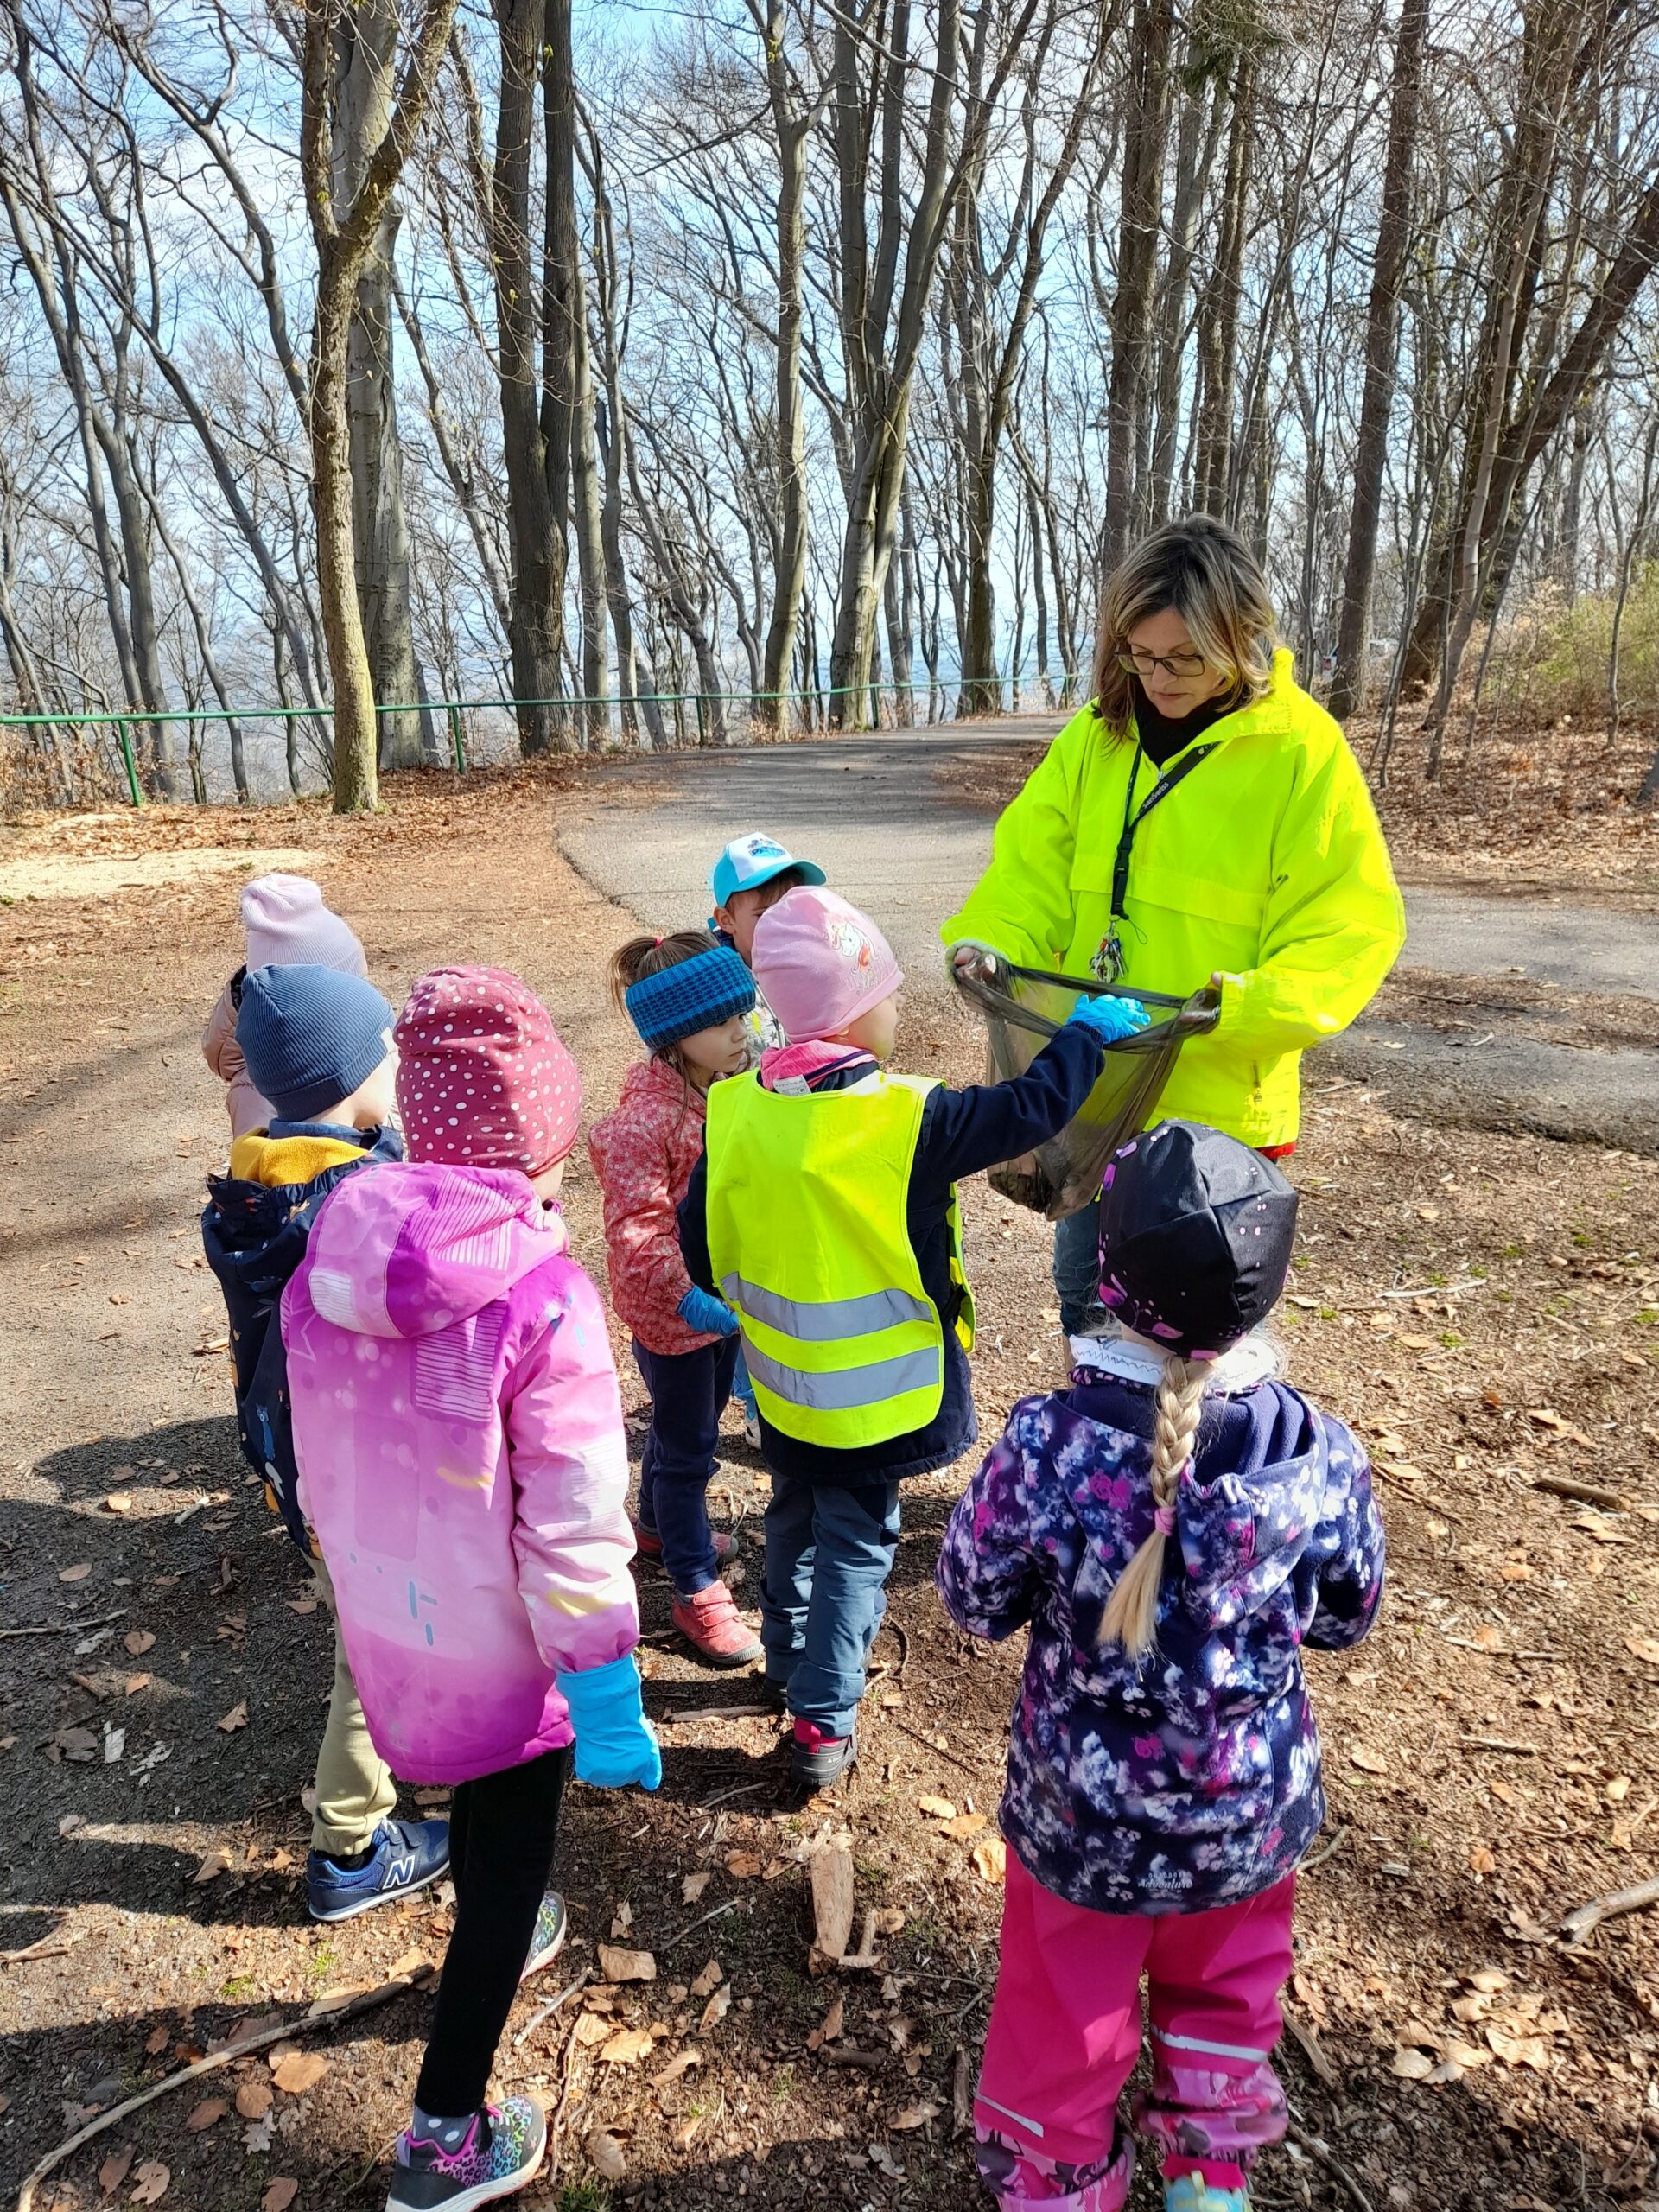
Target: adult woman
<point>1202,817</point>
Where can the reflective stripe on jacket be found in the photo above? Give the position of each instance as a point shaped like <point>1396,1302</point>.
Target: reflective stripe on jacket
<point>809,1240</point>
<point>1267,864</point>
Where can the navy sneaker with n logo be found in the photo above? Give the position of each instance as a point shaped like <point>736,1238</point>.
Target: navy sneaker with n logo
<point>405,1856</point>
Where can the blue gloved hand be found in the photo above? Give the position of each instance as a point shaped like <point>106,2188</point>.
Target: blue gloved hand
<point>615,1743</point>
<point>700,1309</point>
<point>1109,1019</point>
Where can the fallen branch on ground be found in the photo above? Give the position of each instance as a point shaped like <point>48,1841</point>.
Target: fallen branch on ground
<point>1583,1493</point>
<point>315,2017</point>
<point>1499,1744</point>
<point>1332,2165</point>
<point>1587,1919</point>
<point>938,1750</point>
<point>1319,1857</point>
<point>556,2124</point>
<point>546,2011</point>
<point>962,2101</point>
<point>730,1905</point>
<point>63,1628</point>
<point>49,1947</point>
<point>718,1713</point>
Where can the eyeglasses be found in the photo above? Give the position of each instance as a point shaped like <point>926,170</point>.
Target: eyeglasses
<point>1180,666</point>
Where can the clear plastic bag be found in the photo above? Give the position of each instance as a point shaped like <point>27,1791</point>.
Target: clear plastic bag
<point>1023,1008</point>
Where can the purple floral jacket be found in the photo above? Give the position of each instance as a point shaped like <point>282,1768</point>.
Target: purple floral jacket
<point>1189,1778</point>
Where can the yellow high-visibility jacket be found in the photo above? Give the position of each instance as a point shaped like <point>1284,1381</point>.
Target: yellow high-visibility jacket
<point>1266,864</point>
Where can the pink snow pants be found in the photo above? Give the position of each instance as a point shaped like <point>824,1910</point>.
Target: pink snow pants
<point>1065,2032</point>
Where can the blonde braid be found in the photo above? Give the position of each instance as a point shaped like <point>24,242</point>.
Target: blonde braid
<point>1131,1614</point>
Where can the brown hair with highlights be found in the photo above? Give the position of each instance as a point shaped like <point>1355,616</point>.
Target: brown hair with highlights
<point>1202,570</point>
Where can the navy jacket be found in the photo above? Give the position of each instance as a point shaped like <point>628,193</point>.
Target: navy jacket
<point>254,1235</point>
<point>962,1133</point>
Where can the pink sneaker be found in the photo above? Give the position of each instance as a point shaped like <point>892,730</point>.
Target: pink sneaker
<point>712,1621</point>
<point>649,1544</point>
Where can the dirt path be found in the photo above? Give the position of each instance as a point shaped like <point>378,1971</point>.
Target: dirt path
<point>1484,1307</point>
<point>882,814</point>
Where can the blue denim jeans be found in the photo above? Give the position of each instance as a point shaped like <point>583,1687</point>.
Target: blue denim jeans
<point>1077,1268</point>
<point>689,1390</point>
<point>829,1550</point>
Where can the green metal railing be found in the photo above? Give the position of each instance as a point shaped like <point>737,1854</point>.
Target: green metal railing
<point>568,710</point>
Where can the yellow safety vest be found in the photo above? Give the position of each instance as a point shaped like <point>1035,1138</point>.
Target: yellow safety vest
<point>1266,865</point>
<point>807,1233</point>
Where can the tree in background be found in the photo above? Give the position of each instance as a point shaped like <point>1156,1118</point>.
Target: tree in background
<point>345,226</point>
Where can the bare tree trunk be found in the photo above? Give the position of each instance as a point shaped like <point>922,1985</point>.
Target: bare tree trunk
<point>1381,344</point>
<point>1218,310</point>
<point>561,304</point>
<point>792,123</point>
<point>535,628</point>
<point>590,529</point>
<point>366,47</point>
<point>345,230</point>
<point>1128,389</point>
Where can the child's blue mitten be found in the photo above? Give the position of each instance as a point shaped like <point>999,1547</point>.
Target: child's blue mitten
<point>615,1743</point>
<point>700,1309</point>
<point>1109,1020</point>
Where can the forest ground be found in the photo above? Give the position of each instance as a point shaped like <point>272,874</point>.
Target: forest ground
<point>1483,1307</point>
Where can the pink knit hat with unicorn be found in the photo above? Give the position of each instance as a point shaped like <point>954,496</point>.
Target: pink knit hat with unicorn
<point>821,963</point>
<point>483,1080</point>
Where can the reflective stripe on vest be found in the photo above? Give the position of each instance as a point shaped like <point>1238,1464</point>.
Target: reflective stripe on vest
<point>824,1321</point>
<point>809,1236</point>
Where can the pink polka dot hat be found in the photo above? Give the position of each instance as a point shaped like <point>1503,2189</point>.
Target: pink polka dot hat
<point>483,1080</point>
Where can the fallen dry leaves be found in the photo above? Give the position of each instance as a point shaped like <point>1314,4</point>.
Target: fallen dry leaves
<point>990,1859</point>
<point>152,2178</point>
<point>204,2114</point>
<point>280,2195</point>
<point>297,2071</point>
<point>605,2155</point>
<point>710,1979</point>
<point>235,1718</point>
<point>628,2047</point>
<point>618,1965</point>
<point>113,2172</point>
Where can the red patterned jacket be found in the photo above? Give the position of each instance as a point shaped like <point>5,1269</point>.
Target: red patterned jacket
<point>643,1154</point>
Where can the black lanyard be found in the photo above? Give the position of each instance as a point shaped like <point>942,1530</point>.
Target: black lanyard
<point>1110,956</point>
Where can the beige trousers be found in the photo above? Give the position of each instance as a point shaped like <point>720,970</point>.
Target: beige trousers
<point>355,1790</point>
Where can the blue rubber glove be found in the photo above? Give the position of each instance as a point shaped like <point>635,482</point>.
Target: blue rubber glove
<point>700,1309</point>
<point>1109,1020</point>
<point>615,1743</point>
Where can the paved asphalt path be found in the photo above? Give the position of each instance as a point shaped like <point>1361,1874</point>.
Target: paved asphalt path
<point>875,810</point>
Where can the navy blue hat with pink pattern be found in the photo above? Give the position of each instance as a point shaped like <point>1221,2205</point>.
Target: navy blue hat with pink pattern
<point>1196,1231</point>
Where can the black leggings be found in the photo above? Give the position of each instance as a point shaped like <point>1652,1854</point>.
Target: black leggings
<point>502,1831</point>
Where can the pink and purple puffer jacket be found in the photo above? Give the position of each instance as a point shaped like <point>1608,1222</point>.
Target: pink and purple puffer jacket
<point>459,1440</point>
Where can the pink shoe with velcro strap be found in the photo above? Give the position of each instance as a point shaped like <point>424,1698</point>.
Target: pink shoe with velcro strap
<point>710,1619</point>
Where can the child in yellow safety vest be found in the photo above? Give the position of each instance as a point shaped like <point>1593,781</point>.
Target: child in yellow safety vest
<point>824,1211</point>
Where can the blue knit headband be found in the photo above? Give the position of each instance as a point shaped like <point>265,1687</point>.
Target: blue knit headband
<point>696,993</point>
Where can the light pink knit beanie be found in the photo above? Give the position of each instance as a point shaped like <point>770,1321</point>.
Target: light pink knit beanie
<point>821,963</point>
<point>288,926</point>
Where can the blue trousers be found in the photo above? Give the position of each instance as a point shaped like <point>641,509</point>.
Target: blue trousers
<point>689,1390</point>
<point>829,1550</point>
<point>1077,1268</point>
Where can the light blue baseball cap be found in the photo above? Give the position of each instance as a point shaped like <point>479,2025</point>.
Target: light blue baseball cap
<point>749,862</point>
